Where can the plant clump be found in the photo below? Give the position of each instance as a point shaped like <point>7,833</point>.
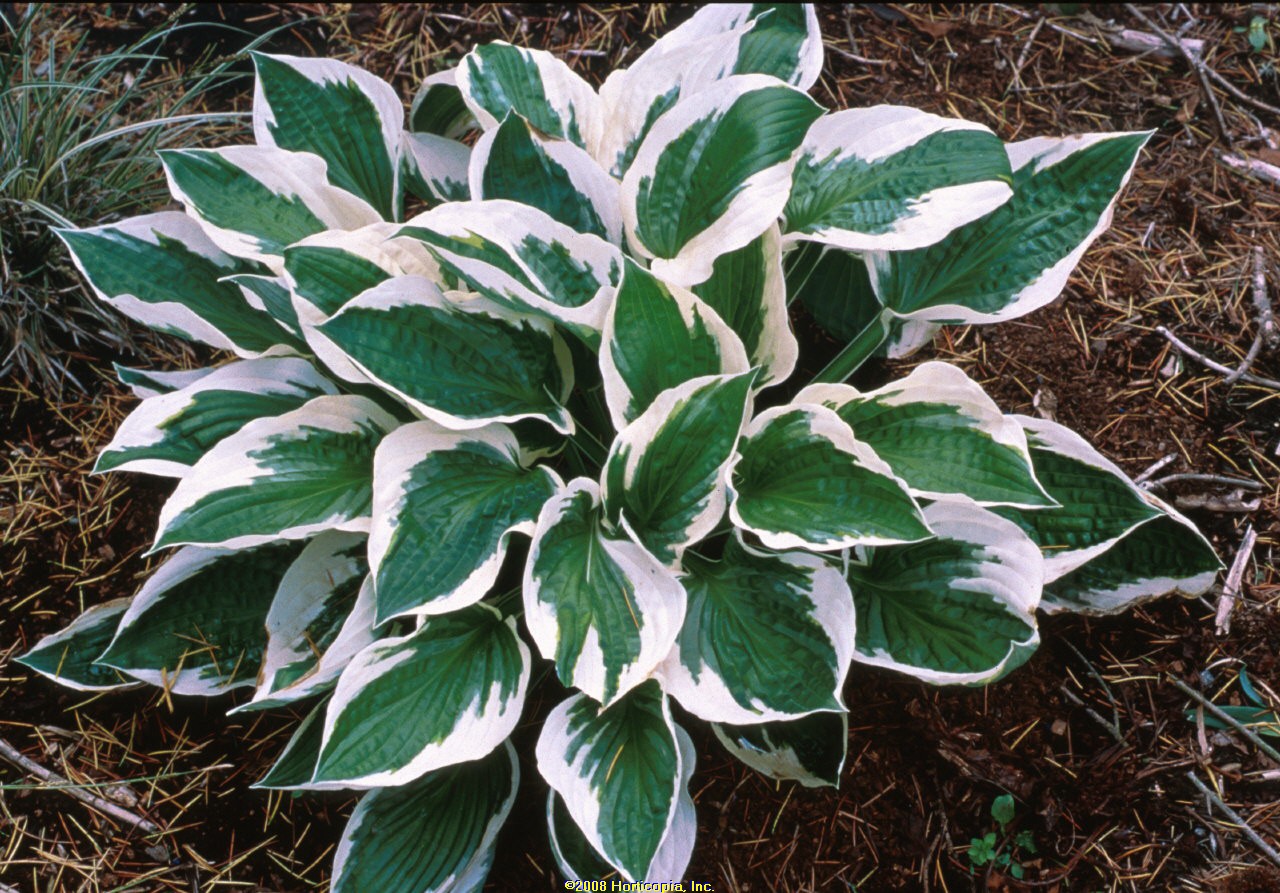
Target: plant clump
<point>553,417</point>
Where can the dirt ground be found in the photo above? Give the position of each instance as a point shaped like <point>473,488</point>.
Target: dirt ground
<point>1099,746</point>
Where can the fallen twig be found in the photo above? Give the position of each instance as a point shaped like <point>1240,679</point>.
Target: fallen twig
<point>1252,167</point>
<point>1016,80</point>
<point>11,754</point>
<point>1196,63</point>
<point>1235,817</point>
<point>1142,42</point>
<point>1213,502</point>
<point>1213,364</point>
<point>1154,467</point>
<point>1266,316</point>
<point>1231,588</point>
<point>1225,480</point>
<point>1113,729</point>
<point>1221,715</point>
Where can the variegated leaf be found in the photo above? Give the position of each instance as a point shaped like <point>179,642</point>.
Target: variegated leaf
<point>713,173</point>
<point>893,178</point>
<point>939,411</point>
<point>286,477</point>
<point>146,383</point>
<point>810,750</point>
<point>445,504</point>
<point>341,113</point>
<point>168,433</point>
<point>460,365</point>
<point>664,476</point>
<point>68,656</point>
<point>959,608</point>
<point>438,107</point>
<point>619,772</point>
<point>434,835</point>
<point>802,480</point>
<point>296,762</point>
<point>598,604</point>
<point>766,636</point>
<point>197,625</point>
<point>437,168</point>
<point>450,692</point>
<point>270,294</point>
<point>659,336</point>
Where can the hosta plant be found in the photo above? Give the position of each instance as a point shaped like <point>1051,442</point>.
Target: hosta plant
<point>515,388</point>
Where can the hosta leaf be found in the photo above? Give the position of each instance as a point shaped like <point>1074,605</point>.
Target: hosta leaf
<point>168,433</point>
<point>146,383</point>
<point>498,78</point>
<point>286,477</point>
<point>437,168</point>
<point>785,41</point>
<point>802,479</point>
<point>308,616</point>
<point>765,637</point>
<point>433,835</point>
<point>460,365</point>
<point>959,608</point>
<point>599,605</point>
<point>329,269</point>
<point>1017,258</point>
<point>163,271</point>
<point>445,503</point>
<point>810,750</point>
<point>68,656</point>
<point>713,173</point>
<point>835,287</point>
<point>451,691</point>
<point>270,294</point>
<point>337,111</point>
<point>197,625</point>
<point>1163,555</point>
<point>748,291</point>
<point>296,762</point>
<point>659,336</point>
<point>1097,502</point>
<point>254,202</point>
<point>438,107</point>
<point>619,772</point>
<point>893,178</point>
<point>936,411</point>
<point>579,860</point>
<point>664,477</point>
<point>513,161</point>
<point>520,257</point>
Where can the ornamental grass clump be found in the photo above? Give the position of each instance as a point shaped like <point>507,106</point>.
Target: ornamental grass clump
<point>547,418</point>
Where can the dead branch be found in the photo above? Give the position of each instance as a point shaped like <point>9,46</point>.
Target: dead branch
<point>1196,63</point>
<point>1154,467</point>
<point>11,754</point>
<point>1231,588</point>
<point>1214,502</point>
<point>1235,817</point>
<point>1142,42</point>
<point>1221,715</point>
<point>1224,480</point>
<point>1213,364</point>
<point>1252,167</point>
<point>1261,303</point>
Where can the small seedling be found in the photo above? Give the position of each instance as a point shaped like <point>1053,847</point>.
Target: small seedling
<point>1006,856</point>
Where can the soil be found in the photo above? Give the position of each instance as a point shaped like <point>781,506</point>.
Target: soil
<point>1091,737</point>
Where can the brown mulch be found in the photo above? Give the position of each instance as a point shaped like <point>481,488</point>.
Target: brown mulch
<point>1090,737</point>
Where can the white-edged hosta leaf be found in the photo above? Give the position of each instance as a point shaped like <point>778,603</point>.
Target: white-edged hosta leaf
<point>579,860</point>
<point>802,480</point>
<point>438,107</point>
<point>163,271</point>
<point>68,656</point>
<point>196,627</point>
<point>1163,555</point>
<point>328,269</point>
<point>766,636</point>
<point>433,835</point>
<point>893,178</point>
<point>1097,503</point>
<point>286,477</point>
<point>906,336</point>
<point>810,750</point>
<point>437,168</point>
<point>1017,258</point>
<point>345,115</point>
<point>959,608</point>
<point>713,173</point>
<point>146,383</point>
<point>664,476</point>
<point>460,365</point>
<point>168,433</point>
<point>311,605</point>
<point>938,411</point>
<point>619,772</point>
<point>748,290</point>
<point>599,605</point>
<point>498,78</point>
<point>297,760</point>
<point>785,41</point>
<point>271,295</point>
<point>254,202</point>
<point>658,336</point>
<point>445,503</point>
<point>513,161</point>
<point>522,258</point>
<point>451,691</point>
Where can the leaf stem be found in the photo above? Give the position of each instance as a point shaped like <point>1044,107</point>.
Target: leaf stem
<point>855,353</point>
